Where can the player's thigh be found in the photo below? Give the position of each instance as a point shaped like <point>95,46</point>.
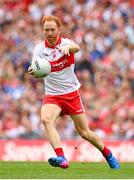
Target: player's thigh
<point>50,112</point>
<point>80,122</point>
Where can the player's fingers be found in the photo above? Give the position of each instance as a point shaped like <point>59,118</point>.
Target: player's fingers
<point>64,50</point>
<point>36,77</point>
<point>67,51</point>
<point>68,54</point>
<point>30,70</point>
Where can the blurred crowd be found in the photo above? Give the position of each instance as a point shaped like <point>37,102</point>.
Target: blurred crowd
<point>104,29</point>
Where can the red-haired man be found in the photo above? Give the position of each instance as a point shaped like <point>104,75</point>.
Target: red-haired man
<point>61,92</point>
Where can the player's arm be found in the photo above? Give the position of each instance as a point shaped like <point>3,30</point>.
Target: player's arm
<point>69,48</point>
<point>73,47</point>
<point>30,71</point>
<point>35,53</point>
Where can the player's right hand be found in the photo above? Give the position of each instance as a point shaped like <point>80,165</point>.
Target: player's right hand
<point>30,71</point>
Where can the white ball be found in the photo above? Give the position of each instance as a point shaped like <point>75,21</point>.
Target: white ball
<point>41,67</point>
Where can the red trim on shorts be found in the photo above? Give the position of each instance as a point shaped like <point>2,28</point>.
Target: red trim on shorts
<point>69,103</point>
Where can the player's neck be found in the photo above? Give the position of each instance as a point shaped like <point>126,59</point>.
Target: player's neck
<point>52,44</point>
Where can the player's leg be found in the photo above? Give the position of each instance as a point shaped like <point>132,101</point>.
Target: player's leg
<point>49,114</point>
<point>80,122</point>
<point>82,128</point>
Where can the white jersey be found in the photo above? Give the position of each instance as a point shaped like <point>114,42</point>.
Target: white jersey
<point>62,79</point>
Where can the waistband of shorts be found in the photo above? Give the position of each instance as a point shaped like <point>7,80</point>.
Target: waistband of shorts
<point>68,94</point>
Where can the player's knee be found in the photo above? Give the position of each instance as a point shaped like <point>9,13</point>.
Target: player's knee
<point>47,121</point>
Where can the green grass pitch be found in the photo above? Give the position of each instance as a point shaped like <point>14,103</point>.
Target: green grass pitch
<point>77,170</point>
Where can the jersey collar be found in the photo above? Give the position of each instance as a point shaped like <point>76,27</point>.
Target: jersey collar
<point>58,42</point>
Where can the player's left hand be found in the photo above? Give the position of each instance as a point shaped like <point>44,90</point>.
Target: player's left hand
<point>64,49</point>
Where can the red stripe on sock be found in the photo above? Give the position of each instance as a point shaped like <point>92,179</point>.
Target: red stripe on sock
<point>105,152</point>
<point>59,151</point>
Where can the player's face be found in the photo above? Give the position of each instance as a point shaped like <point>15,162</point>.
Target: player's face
<point>51,32</point>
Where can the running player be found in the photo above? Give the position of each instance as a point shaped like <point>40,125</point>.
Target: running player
<point>62,92</point>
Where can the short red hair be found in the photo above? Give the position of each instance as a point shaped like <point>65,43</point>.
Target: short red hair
<point>52,18</point>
